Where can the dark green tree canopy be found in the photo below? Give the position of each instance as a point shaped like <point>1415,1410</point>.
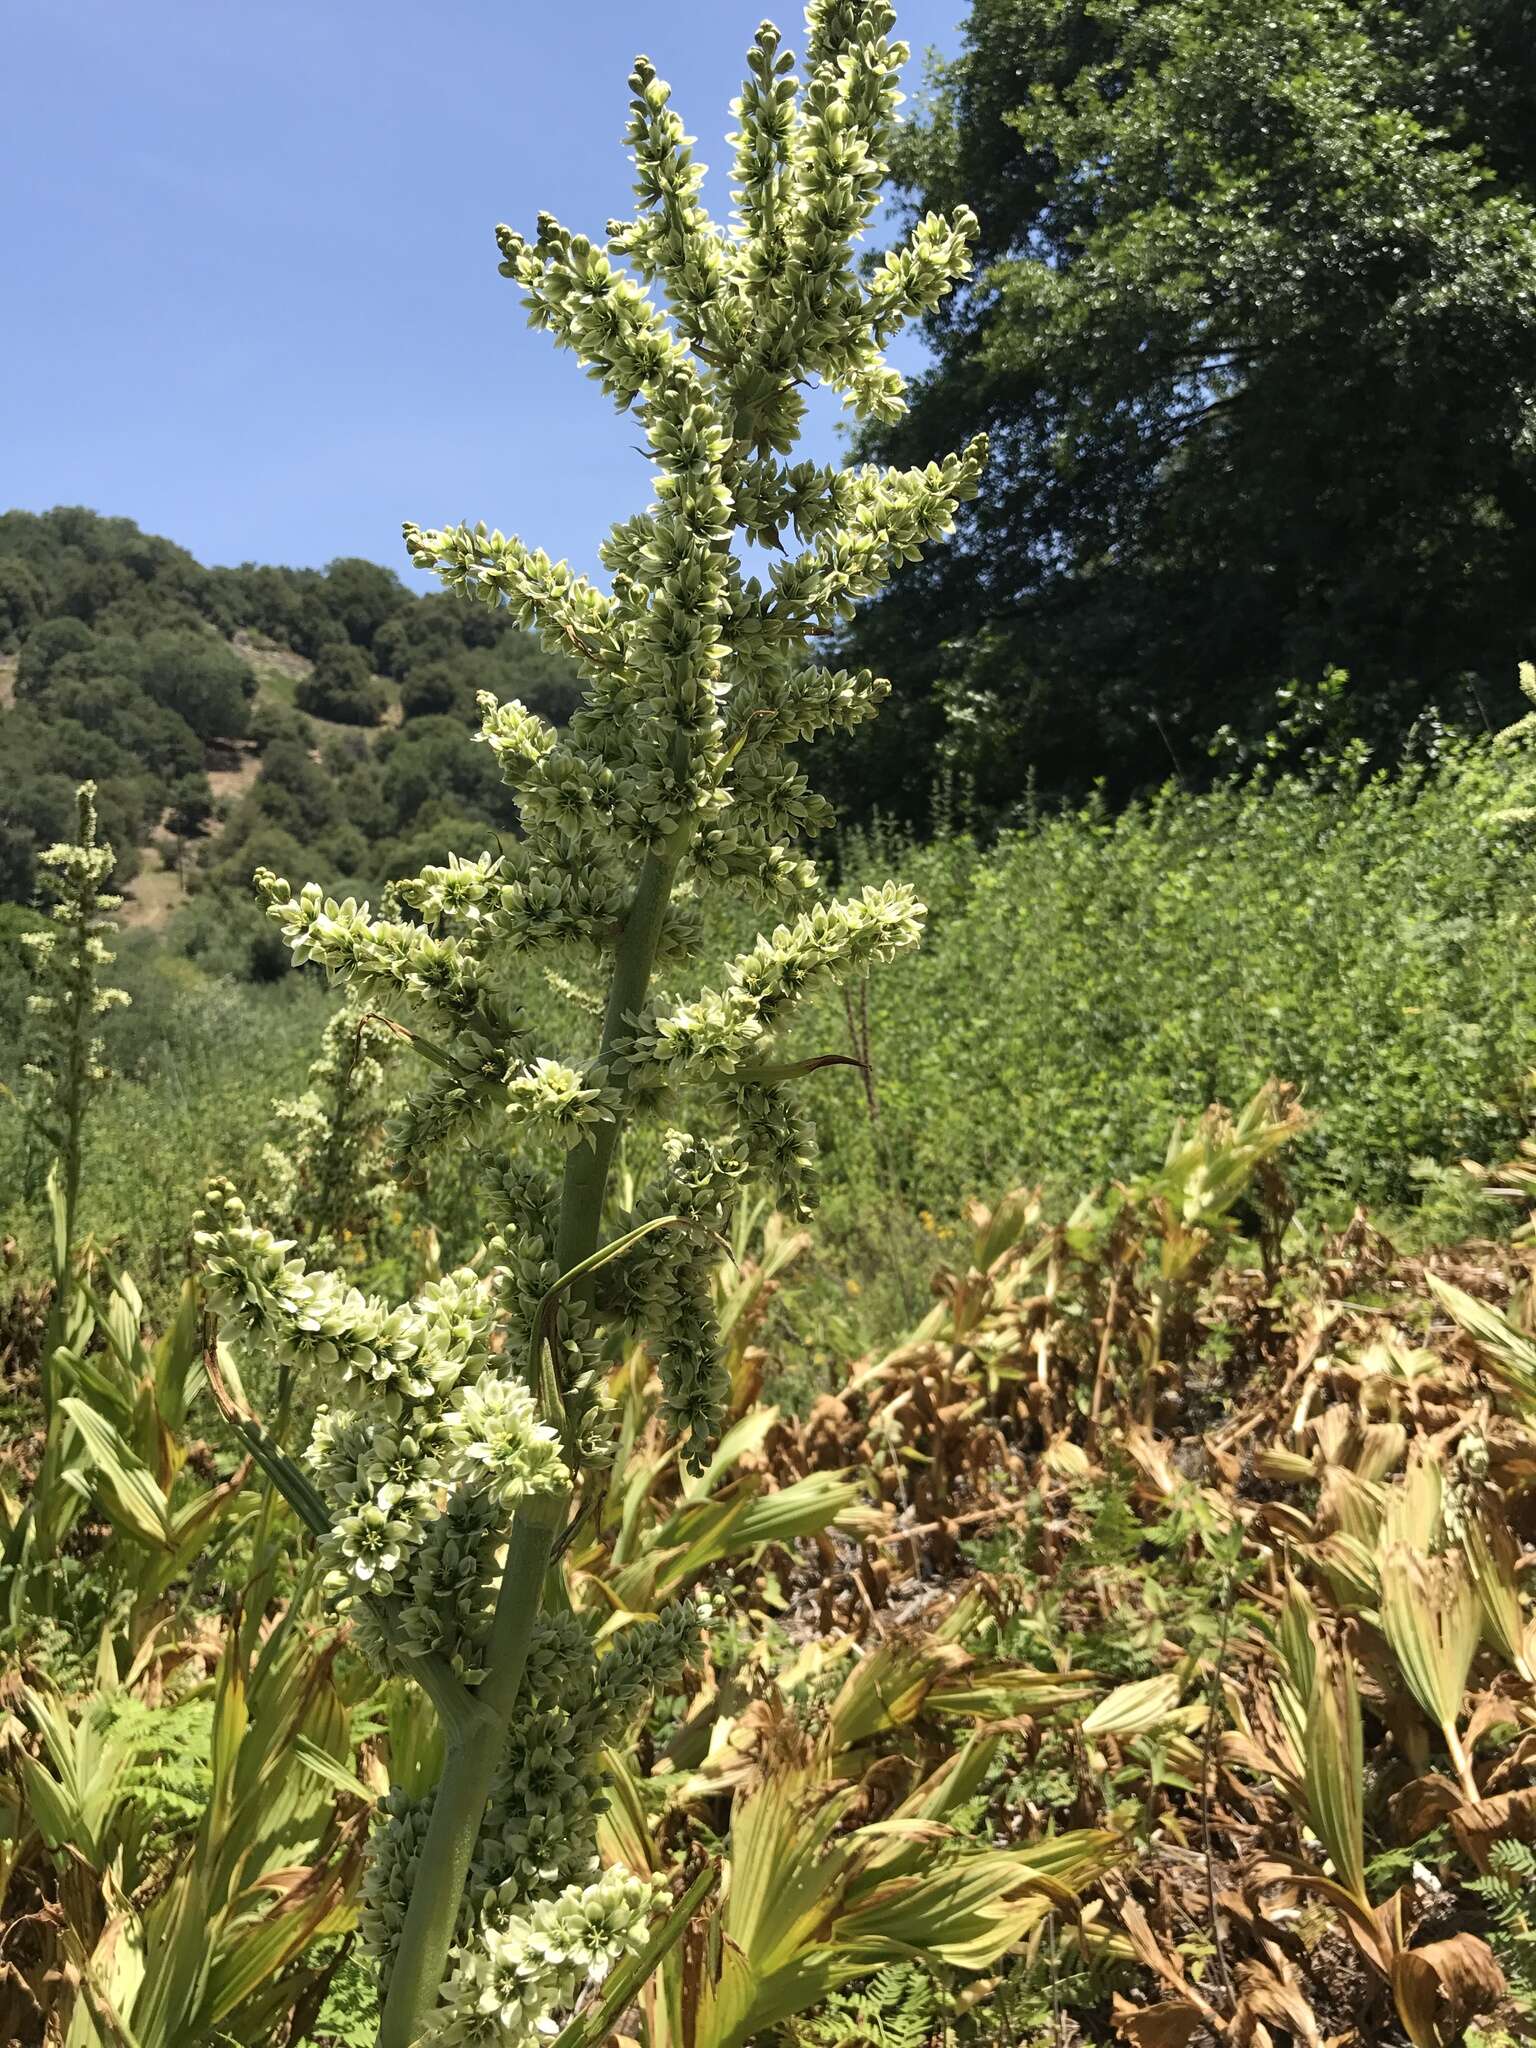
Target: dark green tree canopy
<point>341,687</point>
<point>1254,333</point>
<point>191,805</point>
<point>197,676</point>
<point>362,597</point>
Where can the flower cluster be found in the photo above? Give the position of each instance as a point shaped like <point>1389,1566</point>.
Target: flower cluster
<point>719,1033</point>
<point>538,1842</point>
<point>458,1422</point>
<point>509,1979</point>
<point>432,1443</point>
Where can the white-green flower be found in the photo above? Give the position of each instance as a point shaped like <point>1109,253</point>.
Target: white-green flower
<point>374,1543</point>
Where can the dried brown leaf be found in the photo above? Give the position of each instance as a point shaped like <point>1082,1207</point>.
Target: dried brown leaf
<point>1263,1994</point>
<point>1169,2025</point>
<point>1443,1986</point>
<point>1422,1804</point>
<point>1509,1817</point>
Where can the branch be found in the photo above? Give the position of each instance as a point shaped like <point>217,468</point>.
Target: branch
<point>458,1708</point>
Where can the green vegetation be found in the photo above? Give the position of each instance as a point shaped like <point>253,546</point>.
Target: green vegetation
<point>594,1535</point>
<point>446,1475</point>
<point>1261,1670</point>
<point>1083,982</point>
<point>1091,977</point>
<point>198,1061</point>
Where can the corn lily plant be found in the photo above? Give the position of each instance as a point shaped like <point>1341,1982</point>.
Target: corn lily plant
<point>66,1071</point>
<point>129,1937</point>
<point>816,1899</point>
<point>819,1893</point>
<point>326,1177</point>
<point>467,1427</point>
<point>115,1403</point>
<point>67,1061</point>
<point>656,1526</point>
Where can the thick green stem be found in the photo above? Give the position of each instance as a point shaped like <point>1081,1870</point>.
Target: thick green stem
<point>476,1731</point>
<point>586,1167</point>
<point>80,1017</point>
<point>71,1102</point>
<point>476,1734</point>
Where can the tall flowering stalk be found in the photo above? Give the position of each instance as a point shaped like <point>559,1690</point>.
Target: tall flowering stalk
<point>67,1070</point>
<point>465,1421</point>
<point>66,1065</point>
<point>67,1062</point>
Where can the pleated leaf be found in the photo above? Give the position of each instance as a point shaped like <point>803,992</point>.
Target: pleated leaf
<point>1333,1754</point>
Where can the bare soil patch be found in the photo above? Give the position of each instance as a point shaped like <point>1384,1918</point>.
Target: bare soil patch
<point>233,767</point>
<point>155,891</point>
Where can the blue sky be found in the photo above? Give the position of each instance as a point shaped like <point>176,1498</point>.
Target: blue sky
<point>251,288</point>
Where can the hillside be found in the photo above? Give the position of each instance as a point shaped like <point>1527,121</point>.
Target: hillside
<point>235,716</point>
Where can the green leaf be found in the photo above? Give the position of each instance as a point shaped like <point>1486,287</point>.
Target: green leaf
<point>58,1822</point>
<point>335,1774</point>
<point>127,1486</point>
<point>177,1360</point>
<point>1334,1757</point>
<point>1508,1353</point>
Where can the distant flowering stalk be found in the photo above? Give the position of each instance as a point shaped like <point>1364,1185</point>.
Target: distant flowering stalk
<point>67,1061</point>
<point>330,1174</point>
<point>442,1476</point>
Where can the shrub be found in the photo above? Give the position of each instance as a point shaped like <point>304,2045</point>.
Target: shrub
<point>362,595</point>
<point>191,805</point>
<point>438,689</point>
<point>201,679</point>
<point>48,646</point>
<point>270,722</point>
